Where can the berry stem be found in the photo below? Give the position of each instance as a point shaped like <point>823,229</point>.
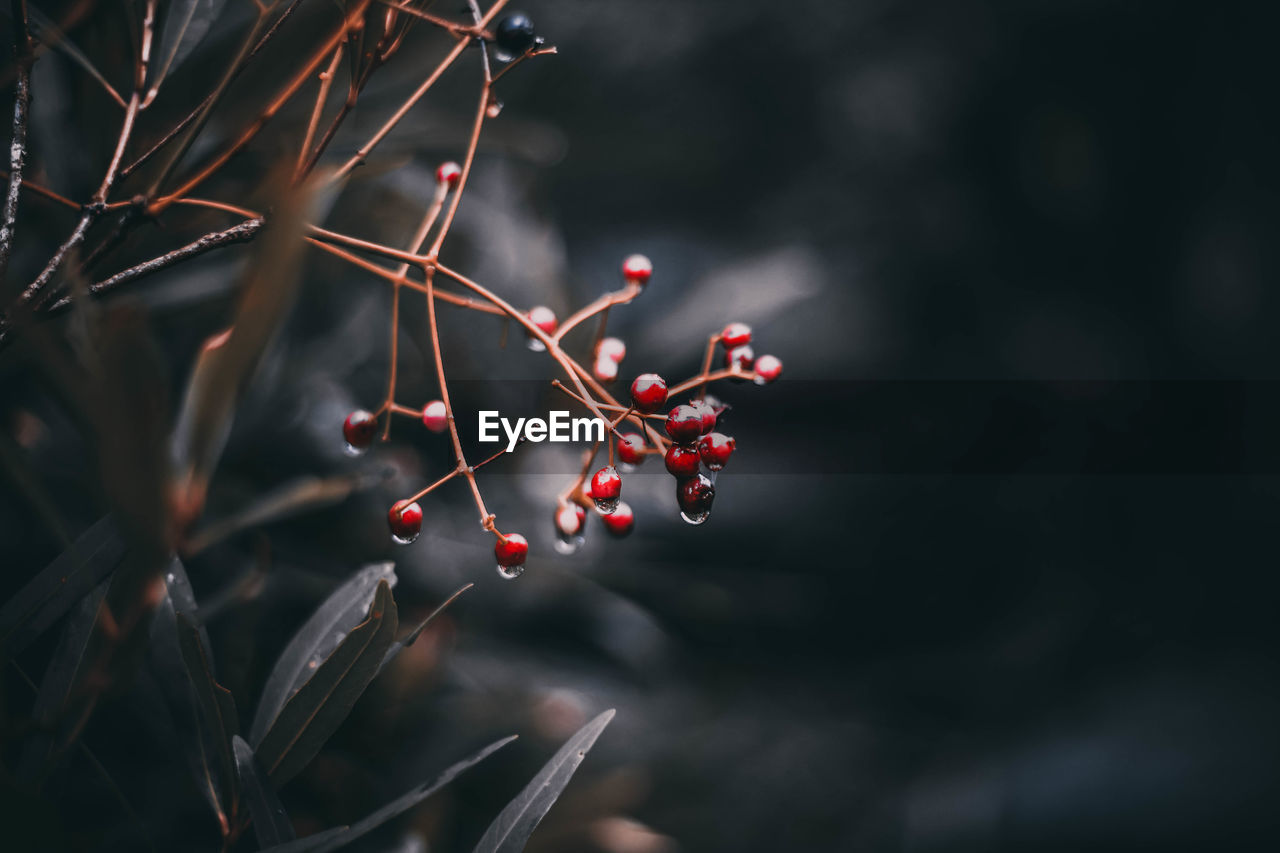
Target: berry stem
<point>600,306</point>
<point>322,98</point>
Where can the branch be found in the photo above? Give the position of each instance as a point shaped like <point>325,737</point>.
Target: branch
<point>18,145</point>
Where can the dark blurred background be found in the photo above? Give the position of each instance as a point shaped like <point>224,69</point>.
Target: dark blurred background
<point>940,215</point>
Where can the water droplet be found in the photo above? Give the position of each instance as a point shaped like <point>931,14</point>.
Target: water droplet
<point>169,578</point>
<point>494,109</point>
<point>535,345</point>
<point>626,467</point>
<point>760,380</point>
<point>606,505</point>
<point>510,572</point>
<point>403,540</point>
<point>569,544</point>
<point>351,450</point>
<point>696,518</point>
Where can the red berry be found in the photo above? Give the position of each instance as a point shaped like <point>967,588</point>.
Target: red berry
<point>715,448</point>
<point>621,521</point>
<point>543,317</point>
<point>768,368</point>
<point>511,554</point>
<point>449,173</point>
<point>358,429</point>
<point>569,519</point>
<point>611,348</point>
<point>695,496</point>
<point>708,413</point>
<point>735,335</point>
<point>405,520</point>
<point>637,268</point>
<point>606,485</point>
<point>649,392</point>
<point>684,424</point>
<point>741,356</point>
<point>682,461</point>
<point>605,369</point>
<point>631,448</point>
<point>434,416</point>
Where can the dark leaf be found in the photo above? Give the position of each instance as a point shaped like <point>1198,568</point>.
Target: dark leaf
<point>228,360</point>
<point>326,841</point>
<point>510,831</point>
<point>56,589</point>
<point>217,708</point>
<point>298,496</point>
<point>270,822</point>
<point>47,33</point>
<point>315,640</point>
<point>314,713</point>
<point>400,645</point>
<point>58,678</point>
<point>186,24</point>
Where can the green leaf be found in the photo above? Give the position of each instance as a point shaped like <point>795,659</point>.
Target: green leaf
<point>314,713</point>
<point>271,824</point>
<point>315,640</point>
<point>511,829</point>
<point>50,594</point>
<point>324,842</point>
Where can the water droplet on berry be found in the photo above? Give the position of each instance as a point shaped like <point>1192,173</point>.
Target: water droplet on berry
<point>353,451</point>
<point>403,540</point>
<point>569,544</point>
<point>606,505</point>
<point>697,517</point>
<point>510,572</point>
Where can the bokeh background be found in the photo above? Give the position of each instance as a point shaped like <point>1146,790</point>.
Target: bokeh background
<point>991,569</point>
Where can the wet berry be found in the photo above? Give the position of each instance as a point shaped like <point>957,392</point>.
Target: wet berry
<point>611,348</point>
<point>768,368</point>
<point>405,520</point>
<point>543,317</point>
<point>715,448</point>
<point>606,485</point>
<point>448,174</point>
<point>649,392</point>
<point>511,555</point>
<point>695,496</point>
<point>434,416</point>
<point>631,449</point>
<point>740,356</point>
<point>708,413</point>
<point>621,521</point>
<point>570,521</point>
<point>637,268</point>
<point>735,335</point>
<point>515,34</point>
<point>681,461</point>
<point>605,369</point>
<point>684,424</point>
<point>359,429</point>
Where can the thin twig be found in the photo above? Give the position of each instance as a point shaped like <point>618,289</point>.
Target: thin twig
<point>18,142</point>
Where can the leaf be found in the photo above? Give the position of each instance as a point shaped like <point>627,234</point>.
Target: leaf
<point>315,640</point>
<point>297,496</point>
<point>270,822</point>
<point>47,33</point>
<point>185,25</point>
<point>511,829</point>
<point>217,708</point>
<point>55,687</point>
<point>55,590</point>
<point>205,718</point>
<point>400,645</point>
<point>314,713</point>
<point>324,842</point>
<point>227,361</point>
